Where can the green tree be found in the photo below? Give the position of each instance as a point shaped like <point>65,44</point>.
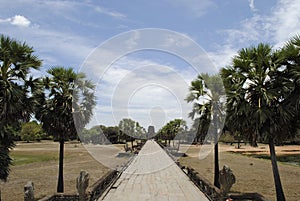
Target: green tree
<point>238,107</point>
<point>16,88</point>
<point>66,108</point>
<point>292,63</point>
<point>100,134</point>
<point>126,126</point>
<point>259,87</point>
<point>91,135</point>
<point>112,133</point>
<point>200,128</point>
<point>130,130</point>
<point>207,95</point>
<point>31,131</point>
<point>171,129</point>
<point>140,132</point>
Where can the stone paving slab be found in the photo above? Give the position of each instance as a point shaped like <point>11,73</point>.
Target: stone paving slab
<point>153,176</point>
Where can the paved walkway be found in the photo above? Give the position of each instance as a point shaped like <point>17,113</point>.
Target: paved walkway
<point>153,175</point>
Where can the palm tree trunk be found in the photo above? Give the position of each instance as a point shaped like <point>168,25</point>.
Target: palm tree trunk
<point>60,184</point>
<point>279,191</point>
<point>254,139</point>
<point>216,177</point>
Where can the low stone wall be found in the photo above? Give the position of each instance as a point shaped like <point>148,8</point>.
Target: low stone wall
<point>97,189</point>
<point>60,197</point>
<point>213,193</point>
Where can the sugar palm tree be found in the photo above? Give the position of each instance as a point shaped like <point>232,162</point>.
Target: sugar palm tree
<point>16,87</point>
<point>292,62</point>
<point>66,107</point>
<point>258,90</point>
<point>207,95</point>
<point>238,107</point>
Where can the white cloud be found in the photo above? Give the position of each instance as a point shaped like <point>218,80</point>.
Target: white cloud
<point>135,87</point>
<point>54,47</point>
<point>223,56</point>
<point>17,20</point>
<point>285,20</point>
<point>276,28</point>
<point>251,30</point>
<point>178,41</point>
<point>252,6</point>
<point>132,43</point>
<point>110,13</point>
<point>195,7</point>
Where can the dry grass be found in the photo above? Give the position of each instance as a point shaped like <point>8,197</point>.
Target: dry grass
<point>252,174</point>
<point>38,162</point>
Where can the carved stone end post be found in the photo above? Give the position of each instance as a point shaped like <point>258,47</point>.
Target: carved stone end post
<point>29,191</point>
<point>227,179</point>
<point>82,183</point>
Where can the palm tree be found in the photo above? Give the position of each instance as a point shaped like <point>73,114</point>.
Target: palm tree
<point>292,63</point>
<point>207,94</point>
<point>16,87</point>
<point>257,97</point>
<point>66,107</point>
<point>237,106</point>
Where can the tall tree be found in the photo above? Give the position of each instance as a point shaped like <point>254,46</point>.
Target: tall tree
<point>207,95</point>
<point>291,55</point>
<point>259,76</point>
<point>130,130</point>
<point>66,108</point>
<point>31,131</point>
<point>16,88</point>
<point>171,129</point>
<point>238,107</point>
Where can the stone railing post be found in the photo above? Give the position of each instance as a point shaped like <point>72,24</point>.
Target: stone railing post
<point>227,179</point>
<point>29,191</point>
<point>82,182</point>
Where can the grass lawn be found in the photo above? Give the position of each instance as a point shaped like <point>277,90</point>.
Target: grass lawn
<point>20,158</point>
<point>38,162</point>
<point>252,174</point>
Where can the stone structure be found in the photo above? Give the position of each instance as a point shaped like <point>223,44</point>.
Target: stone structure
<point>29,191</point>
<point>151,132</point>
<point>82,183</point>
<point>227,179</point>
<point>203,184</point>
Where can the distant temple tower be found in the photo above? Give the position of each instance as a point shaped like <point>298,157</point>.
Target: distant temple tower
<point>151,132</point>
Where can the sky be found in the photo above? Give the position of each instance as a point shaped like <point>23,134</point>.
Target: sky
<point>142,55</point>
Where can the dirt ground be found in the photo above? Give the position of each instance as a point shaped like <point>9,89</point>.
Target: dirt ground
<point>252,174</point>
<point>44,174</point>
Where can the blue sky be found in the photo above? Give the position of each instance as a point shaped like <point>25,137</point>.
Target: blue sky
<point>64,33</point>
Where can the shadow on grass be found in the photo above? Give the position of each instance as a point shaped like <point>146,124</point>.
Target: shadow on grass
<point>293,159</point>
